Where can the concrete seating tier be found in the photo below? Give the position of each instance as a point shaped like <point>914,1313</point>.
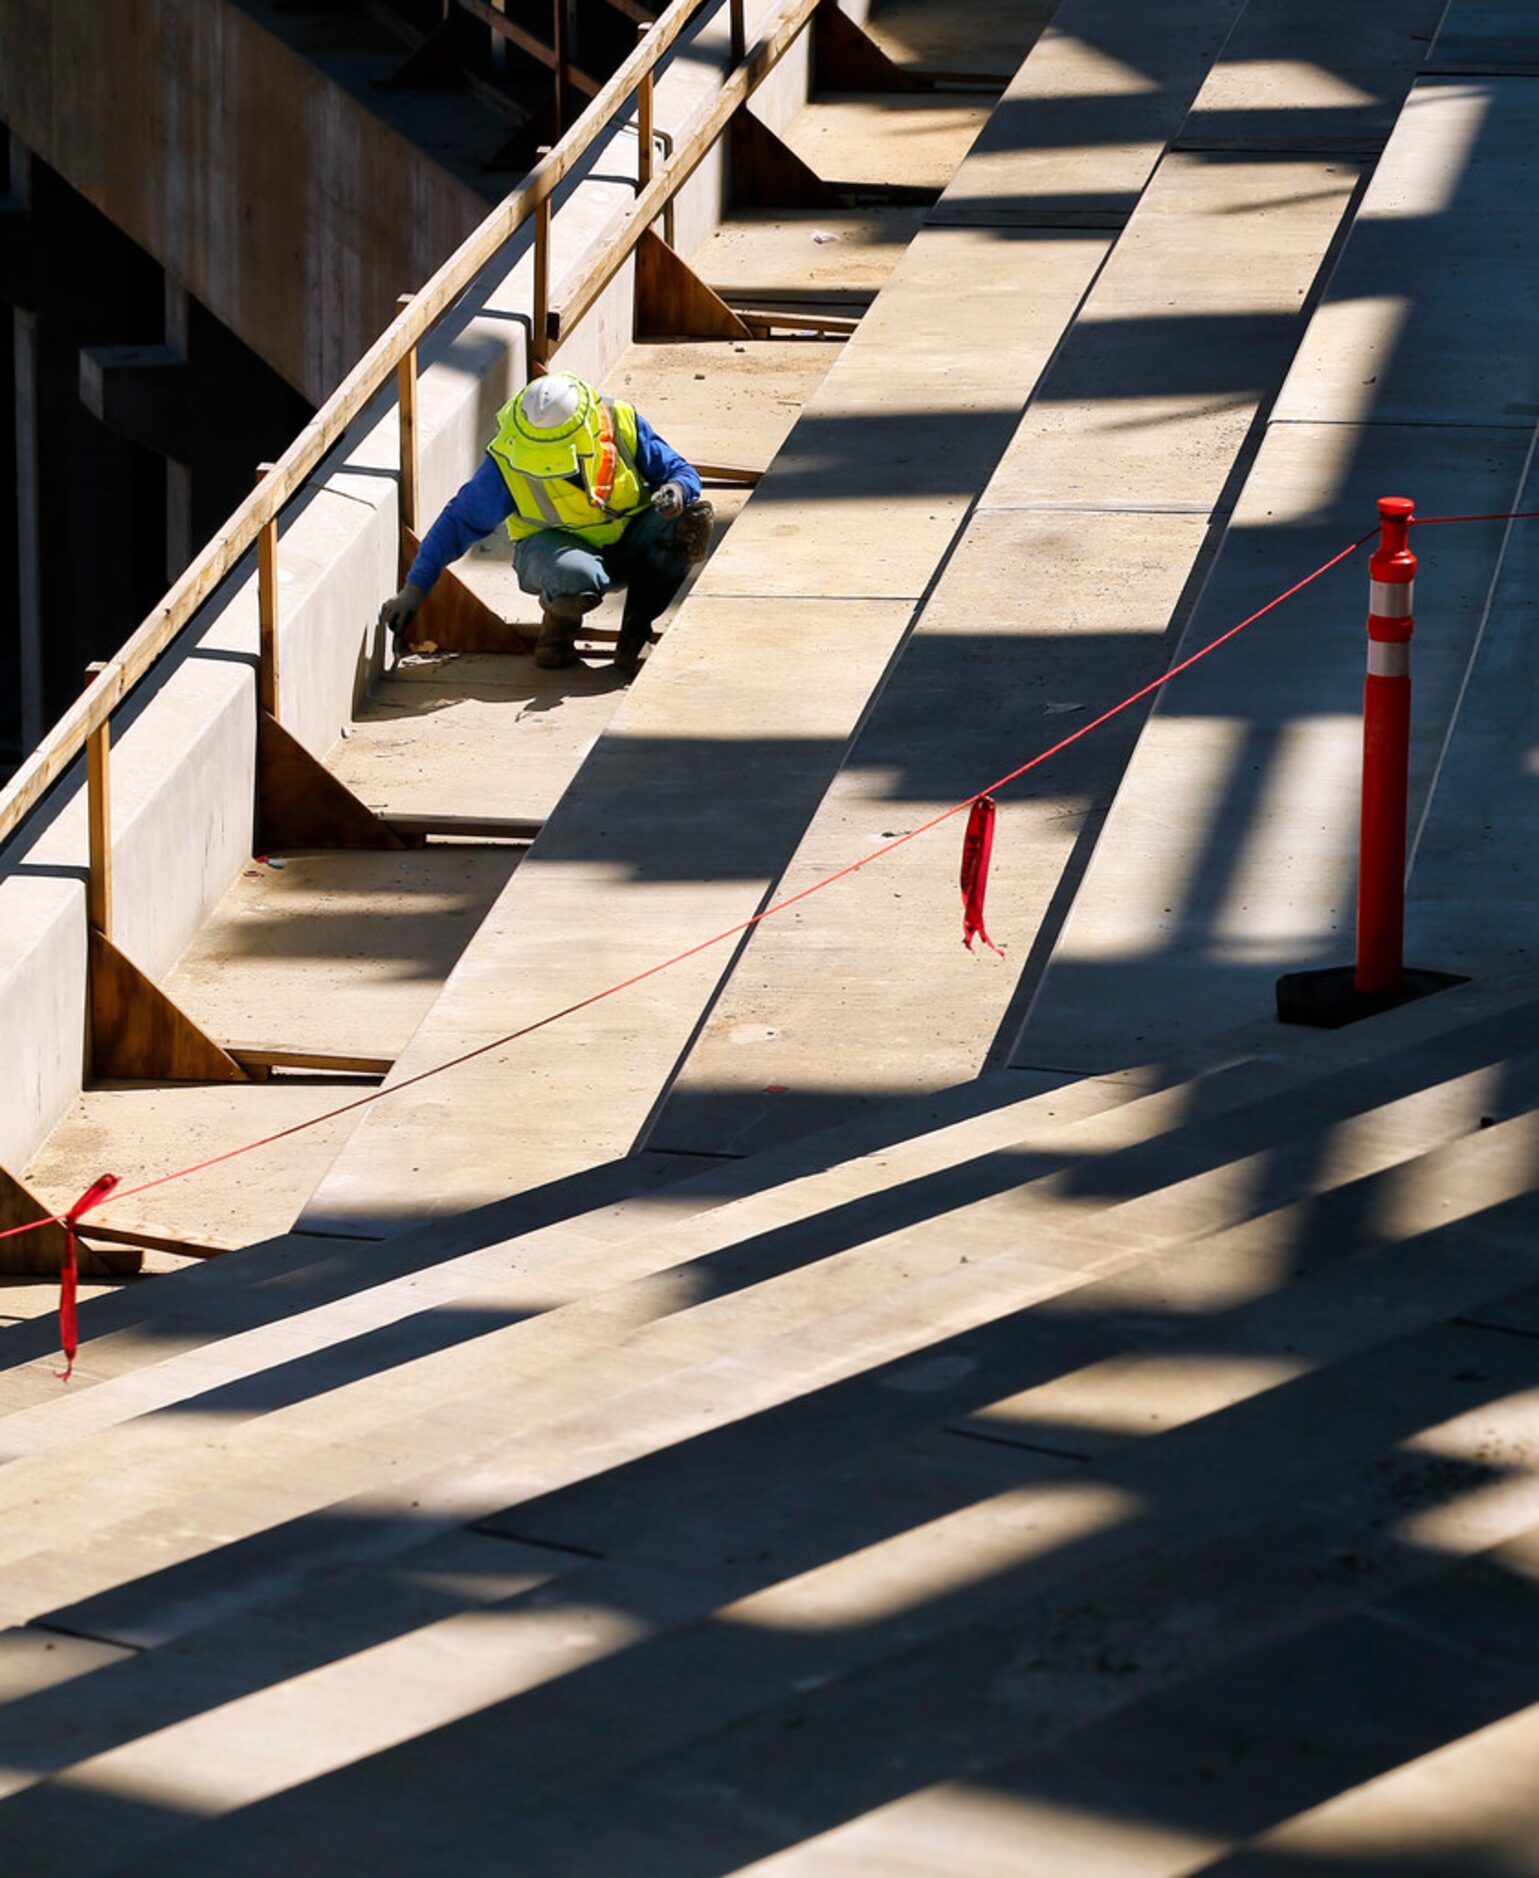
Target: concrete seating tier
<point>1254,1344</point>
<point>1230,853</point>
<point>694,799</point>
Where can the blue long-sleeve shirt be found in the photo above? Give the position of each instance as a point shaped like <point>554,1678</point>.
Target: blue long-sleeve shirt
<point>485,502</point>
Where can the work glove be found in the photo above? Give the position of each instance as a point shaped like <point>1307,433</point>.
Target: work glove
<point>399,611</point>
<point>668,500</point>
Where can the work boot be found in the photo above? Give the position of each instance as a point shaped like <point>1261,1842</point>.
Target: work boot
<point>692,531</point>
<point>647,595</point>
<point>559,621</point>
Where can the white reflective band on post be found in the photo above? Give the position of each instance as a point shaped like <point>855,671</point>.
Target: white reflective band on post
<point>1389,658</point>
<point>1392,599</point>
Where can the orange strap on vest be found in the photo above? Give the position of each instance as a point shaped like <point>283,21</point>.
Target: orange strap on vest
<point>607,461</point>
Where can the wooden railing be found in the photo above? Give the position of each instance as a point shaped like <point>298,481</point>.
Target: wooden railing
<point>394,354</point>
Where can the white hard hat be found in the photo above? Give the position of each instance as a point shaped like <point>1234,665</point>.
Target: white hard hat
<point>554,405</point>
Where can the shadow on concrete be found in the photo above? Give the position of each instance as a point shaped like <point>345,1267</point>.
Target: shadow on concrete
<point>1201,1624</point>
<point>1165,1629</point>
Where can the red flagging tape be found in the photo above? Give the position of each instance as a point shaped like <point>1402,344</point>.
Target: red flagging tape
<point>103,1187</point>
<point>69,1277</point>
<point>977,848</point>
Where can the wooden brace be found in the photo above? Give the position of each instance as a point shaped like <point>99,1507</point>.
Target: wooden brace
<point>673,302</point>
<point>40,1254</point>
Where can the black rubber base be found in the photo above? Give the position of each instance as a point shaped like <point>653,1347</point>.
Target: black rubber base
<point>1329,999</point>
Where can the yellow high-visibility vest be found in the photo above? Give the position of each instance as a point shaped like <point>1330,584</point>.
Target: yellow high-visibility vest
<point>583,479</point>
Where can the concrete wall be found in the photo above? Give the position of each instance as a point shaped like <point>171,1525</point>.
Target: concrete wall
<point>287,208</point>
<point>184,746</point>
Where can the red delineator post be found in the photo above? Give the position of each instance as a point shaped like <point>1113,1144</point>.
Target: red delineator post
<point>1380,969</point>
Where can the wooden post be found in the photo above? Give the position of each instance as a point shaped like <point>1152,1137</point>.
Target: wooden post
<point>539,326</point>
<point>739,33</point>
<point>643,122</point>
<point>406,388</point>
<point>99,821</point>
<point>267,611</point>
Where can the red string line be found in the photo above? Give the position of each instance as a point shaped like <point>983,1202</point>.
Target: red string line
<point>1512,515</point>
<point>745,925</point>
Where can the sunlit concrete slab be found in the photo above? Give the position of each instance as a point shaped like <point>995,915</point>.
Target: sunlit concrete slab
<point>528,1403</point>
<point>1188,331</point>
<point>1062,1585</point>
<point>1225,1318</point>
<point>885,461</point>
<point>851,523</point>
<point>283,963</point>
<point>727,1577</point>
<point>1465,1805</point>
<point>142,1131</point>
<point>898,137</point>
<point>1300,75</point>
<point>1479,37</point>
<point>476,733</point>
<point>1058,602</point>
<point>682,815</point>
<point>835,259</point>
<point>1473,900</point>
<point>1373,1737</point>
<point>1085,120</point>
<point>283,960</point>
<point>991,36</point>
<point>733,403</point>
<point>1229,855</point>
<point>291,1299</point>
<point>161,1724</point>
<point>870,994</point>
<point>1432,314</point>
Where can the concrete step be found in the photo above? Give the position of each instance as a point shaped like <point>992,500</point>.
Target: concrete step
<point>1229,853</point>
<point>292,1297</point>
<point>975,1669</point>
<point>642,1382</point>
<point>299,954</point>
<point>991,36</point>
<point>1120,461</point>
<point>692,802</point>
<point>876,1599</point>
<point>1364,1702</point>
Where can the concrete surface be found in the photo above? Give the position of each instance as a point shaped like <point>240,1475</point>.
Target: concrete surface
<point>264,149</point>
<point>338,1282</point>
<point>1472,846</point>
<point>337,562</point>
<point>1059,601</point>
<point>303,956</point>
<point>141,1131</point>
<point>991,36</point>
<point>859,1632</point>
<point>789,626</point>
<point>1105,1187</point>
<point>1483,36</point>
<point>1230,853</point>
<point>885,462</point>
<point>1087,116</point>
<point>1130,1475</point>
<point>917,139</point>
<point>1309,75</point>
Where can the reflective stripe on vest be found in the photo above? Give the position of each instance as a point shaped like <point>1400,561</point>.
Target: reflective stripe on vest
<point>613,492</point>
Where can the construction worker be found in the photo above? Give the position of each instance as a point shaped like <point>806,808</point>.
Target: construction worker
<point>592,497</point>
